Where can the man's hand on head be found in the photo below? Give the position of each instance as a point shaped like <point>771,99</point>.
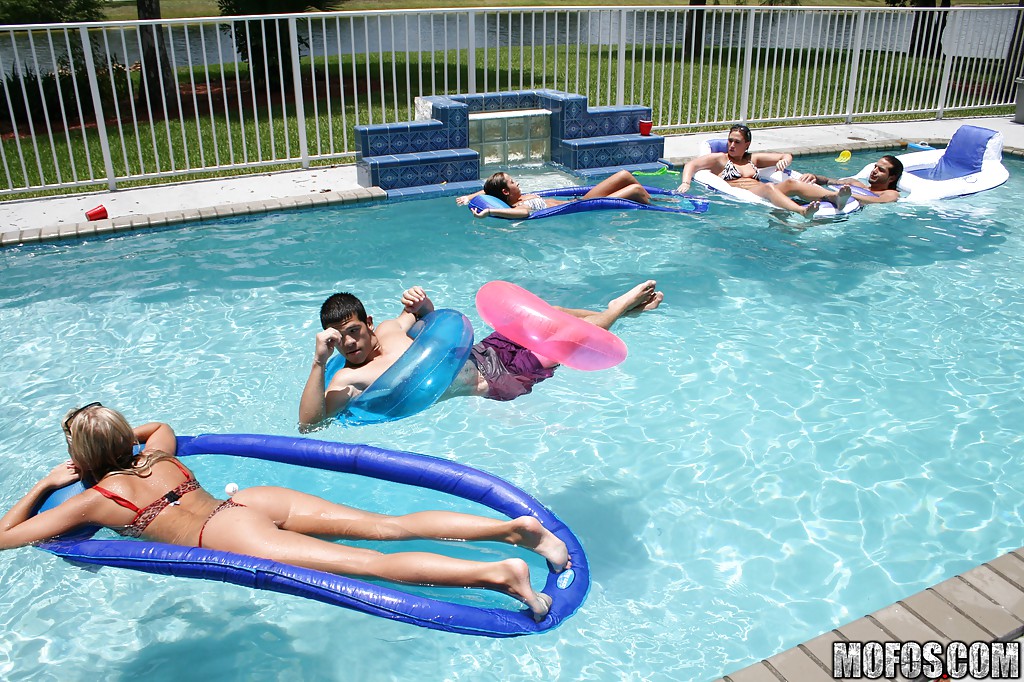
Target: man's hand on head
<point>326,342</point>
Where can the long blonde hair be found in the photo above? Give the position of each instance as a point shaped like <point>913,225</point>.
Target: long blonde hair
<point>101,442</point>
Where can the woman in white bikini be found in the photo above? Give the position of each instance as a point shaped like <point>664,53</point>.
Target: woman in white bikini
<point>739,168</point>
<point>503,186</point>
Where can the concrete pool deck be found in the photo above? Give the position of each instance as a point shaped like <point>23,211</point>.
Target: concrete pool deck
<point>28,221</point>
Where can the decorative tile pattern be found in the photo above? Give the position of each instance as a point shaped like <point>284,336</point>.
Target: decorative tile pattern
<point>433,149</point>
<point>609,150</point>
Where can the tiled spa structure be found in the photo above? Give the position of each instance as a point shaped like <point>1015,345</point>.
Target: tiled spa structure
<point>453,135</point>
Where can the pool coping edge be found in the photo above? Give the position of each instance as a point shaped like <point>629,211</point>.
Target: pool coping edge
<point>133,223</point>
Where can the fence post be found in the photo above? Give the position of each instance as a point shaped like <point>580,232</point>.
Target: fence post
<point>300,109</point>
<point>851,96</point>
<point>471,53</point>
<point>620,76</point>
<point>747,59</point>
<point>97,107</point>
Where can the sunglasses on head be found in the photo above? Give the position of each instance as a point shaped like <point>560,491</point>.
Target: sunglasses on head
<point>80,410</point>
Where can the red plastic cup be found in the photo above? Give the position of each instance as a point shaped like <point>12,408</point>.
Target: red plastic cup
<point>645,127</point>
<point>98,213</point>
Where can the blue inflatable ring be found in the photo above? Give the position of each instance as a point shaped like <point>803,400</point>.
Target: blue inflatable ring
<point>567,590</point>
<point>441,344</point>
<point>685,204</point>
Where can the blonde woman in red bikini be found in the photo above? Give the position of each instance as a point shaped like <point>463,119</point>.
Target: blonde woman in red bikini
<point>154,496</point>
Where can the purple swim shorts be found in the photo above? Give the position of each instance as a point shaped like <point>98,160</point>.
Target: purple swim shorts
<point>510,369</point>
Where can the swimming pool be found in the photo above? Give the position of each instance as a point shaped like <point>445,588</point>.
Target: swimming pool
<point>813,425</point>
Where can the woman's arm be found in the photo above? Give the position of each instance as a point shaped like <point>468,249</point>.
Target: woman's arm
<point>765,159</point>
<point>510,212</point>
<point>464,199</point>
<point>706,162</point>
<point>157,436</point>
<point>18,527</point>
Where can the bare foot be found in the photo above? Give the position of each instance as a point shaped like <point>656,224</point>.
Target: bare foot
<point>517,585</point>
<point>639,297</point>
<point>530,534</point>
<point>810,209</point>
<point>654,302</point>
<point>840,198</point>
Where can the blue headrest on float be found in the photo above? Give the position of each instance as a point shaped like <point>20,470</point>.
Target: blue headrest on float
<point>482,201</point>
<point>718,145</point>
<point>963,156</point>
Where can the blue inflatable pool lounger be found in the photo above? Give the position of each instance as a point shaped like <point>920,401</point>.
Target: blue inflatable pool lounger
<point>683,203</point>
<point>567,590</point>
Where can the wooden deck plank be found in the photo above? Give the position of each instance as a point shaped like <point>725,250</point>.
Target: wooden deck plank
<point>758,672</point>
<point>797,666</point>
<point>904,625</point>
<point>821,647</point>
<point>944,618</point>
<point>979,607</point>
<point>1000,590</point>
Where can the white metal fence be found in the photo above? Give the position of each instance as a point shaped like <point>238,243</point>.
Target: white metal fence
<point>84,104</point>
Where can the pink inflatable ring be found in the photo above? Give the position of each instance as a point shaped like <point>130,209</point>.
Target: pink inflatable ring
<point>547,331</point>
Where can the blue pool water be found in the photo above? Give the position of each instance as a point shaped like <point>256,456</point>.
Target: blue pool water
<point>814,424</point>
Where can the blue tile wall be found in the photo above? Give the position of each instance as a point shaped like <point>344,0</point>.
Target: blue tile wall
<point>414,169</point>
<point>611,150</point>
<point>398,138</point>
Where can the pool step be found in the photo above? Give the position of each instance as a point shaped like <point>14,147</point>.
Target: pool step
<point>609,150</point>
<point>413,169</point>
<point>579,137</point>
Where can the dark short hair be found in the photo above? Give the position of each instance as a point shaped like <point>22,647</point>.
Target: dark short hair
<point>744,131</point>
<point>897,170</point>
<point>497,185</point>
<point>339,307</point>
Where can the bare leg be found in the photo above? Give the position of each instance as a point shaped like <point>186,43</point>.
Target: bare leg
<point>640,298</point>
<point>622,180</point>
<point>772,194</point>
<point>633,192</point>
<point>248,531</point>
<point>811,192</point>
<point>311,515</point>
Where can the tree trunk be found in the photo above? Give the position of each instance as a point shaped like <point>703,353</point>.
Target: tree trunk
<point>1014,64</point>
<point>926,38</point>
<point>696,31</point>
<point>158,81</point>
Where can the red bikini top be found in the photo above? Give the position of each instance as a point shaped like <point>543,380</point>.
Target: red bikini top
<point>145,516</point>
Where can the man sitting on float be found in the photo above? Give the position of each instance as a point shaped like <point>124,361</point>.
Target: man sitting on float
<point>880,188</point>
<point>497,368</point>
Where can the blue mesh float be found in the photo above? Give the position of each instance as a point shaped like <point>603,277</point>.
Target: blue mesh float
<point>567,589</point>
